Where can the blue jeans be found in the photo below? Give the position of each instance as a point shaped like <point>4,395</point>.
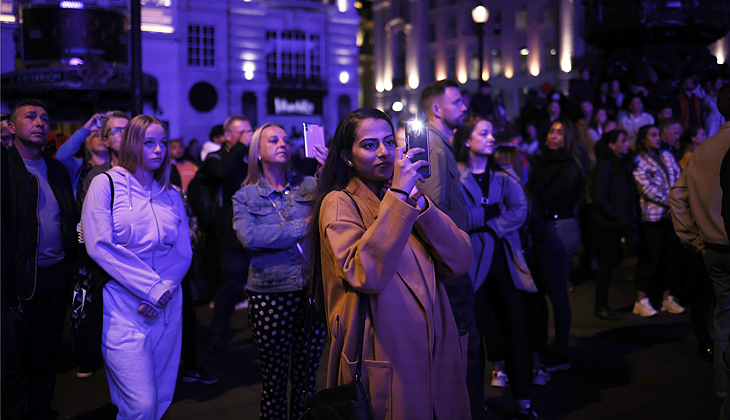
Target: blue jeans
<point>554,253</point>
<point>718,268</point>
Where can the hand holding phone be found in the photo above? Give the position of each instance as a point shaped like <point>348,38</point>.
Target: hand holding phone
<point>417,137</point>
<point>313,140</point>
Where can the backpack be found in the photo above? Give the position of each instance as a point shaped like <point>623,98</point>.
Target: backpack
<point>201,197</point>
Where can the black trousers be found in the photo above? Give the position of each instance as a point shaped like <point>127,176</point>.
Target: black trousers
<point>610,254</point>
<point>660,258</point>
<point>30,377</point>
<point>497,297</point>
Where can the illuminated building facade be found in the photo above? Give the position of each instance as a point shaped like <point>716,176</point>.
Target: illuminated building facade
<point>282,61</point>
<point>526,43</point>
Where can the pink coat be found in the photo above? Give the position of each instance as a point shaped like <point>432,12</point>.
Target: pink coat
<point>414,357</point>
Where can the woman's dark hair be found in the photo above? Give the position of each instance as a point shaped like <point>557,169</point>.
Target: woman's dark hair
<point>640,136</point>
<point>686,138</point>
<point>461,136</point>
<point>573,145</point>
<point>334,176</point>
<point>601,147</point>
<point>593,123</point>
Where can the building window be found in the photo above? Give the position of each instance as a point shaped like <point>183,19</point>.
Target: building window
<point>431,69</point>
<point>498,22</point>
<point>552,62</point>
<point>474,68</point>
<point>524,53</point>
<point>451,67</point>
<point>432,4</point>
<point>521,18</point>
<point>497,62</point>
<point>201,46</point>
<point>548,15</point>
<point>296,55</point>
<point>432,32</point>
<point>451,29</point>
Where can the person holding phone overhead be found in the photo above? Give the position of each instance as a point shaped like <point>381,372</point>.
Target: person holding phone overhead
<point>270,216</point>
<point>374,233</point>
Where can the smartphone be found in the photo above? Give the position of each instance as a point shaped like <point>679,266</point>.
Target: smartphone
<point>313,136</point>
<point>417,136</point>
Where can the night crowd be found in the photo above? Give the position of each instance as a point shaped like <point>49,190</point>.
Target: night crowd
<point>451,259</point>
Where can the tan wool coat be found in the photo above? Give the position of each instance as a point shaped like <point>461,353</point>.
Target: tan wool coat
<point>414,357</point>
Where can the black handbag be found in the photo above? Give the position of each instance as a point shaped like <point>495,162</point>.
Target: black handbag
<point>349,401</point>
<point>87,303</point>
<point>344,402</point>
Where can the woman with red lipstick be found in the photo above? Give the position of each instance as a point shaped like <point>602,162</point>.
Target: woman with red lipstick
<point>270,216</point>
<point>374,234</point>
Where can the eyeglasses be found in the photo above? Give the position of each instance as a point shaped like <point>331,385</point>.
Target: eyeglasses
<point>115,131</point>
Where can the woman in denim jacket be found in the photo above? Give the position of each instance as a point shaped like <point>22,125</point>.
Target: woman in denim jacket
<point>270,216</point>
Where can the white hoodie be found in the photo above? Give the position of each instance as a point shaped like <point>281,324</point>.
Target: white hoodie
<point>144,242</point>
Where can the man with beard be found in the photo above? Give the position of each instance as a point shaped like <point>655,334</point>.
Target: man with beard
<point>442,103</point>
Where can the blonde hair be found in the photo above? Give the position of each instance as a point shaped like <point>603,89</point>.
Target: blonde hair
<point>254,164</point>
<point>87,144</point>
<point>130,151</point>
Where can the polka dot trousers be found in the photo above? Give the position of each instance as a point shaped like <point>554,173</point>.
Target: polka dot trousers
<point>279,324</point>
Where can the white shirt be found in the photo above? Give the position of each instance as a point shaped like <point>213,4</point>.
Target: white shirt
<point>209,147</point>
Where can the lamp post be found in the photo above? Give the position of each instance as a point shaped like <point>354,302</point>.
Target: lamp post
<point>480,15</point>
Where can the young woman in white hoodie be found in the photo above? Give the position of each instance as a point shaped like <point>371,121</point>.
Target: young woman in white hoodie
<point>142,239</point>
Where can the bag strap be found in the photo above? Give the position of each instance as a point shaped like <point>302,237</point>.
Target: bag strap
<point>364,301</point>
<point>111,184</point>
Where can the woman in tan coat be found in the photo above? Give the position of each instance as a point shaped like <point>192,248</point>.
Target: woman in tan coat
<point>389,241</point>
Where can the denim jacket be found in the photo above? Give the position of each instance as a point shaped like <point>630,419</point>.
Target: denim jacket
<point>272,225</point>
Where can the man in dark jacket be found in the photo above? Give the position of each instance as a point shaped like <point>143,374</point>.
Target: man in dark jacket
<point>226,169</point>
<point>39,219</point>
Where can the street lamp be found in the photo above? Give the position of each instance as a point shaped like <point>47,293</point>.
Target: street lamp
<point>480,15</point>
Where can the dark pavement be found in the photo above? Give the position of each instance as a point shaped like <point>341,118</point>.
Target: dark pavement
<point>631,369</point>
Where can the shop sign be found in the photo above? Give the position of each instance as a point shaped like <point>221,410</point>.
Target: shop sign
<point>294,102</point>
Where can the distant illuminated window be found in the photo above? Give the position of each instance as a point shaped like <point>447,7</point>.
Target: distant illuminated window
<point>548,15</point>
<point>552,62</point>
<point>201,46</point>
<point>521,19</point>
<point>524,52</point>
<point>296,55</point>
<point>474,67</point>
<point>497,62</point>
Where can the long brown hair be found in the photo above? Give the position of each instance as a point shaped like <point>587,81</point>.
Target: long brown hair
<point>130,153</point>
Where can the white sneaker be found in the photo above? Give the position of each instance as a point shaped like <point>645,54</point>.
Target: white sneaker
<point>499,379</point>
<point>644,308</point>
<point>540,377</point>
<point>669,304</point>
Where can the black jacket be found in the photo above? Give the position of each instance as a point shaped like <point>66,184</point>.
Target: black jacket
<point>613,190</point>
<point>226,170</point>
<point>557,183</point>
<point>21,225</point>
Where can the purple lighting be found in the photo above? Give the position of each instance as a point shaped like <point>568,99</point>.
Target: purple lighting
<point>71,5</point>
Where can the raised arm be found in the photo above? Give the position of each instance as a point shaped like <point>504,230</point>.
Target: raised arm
<point>367,259</point>
<point>450,246</point>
